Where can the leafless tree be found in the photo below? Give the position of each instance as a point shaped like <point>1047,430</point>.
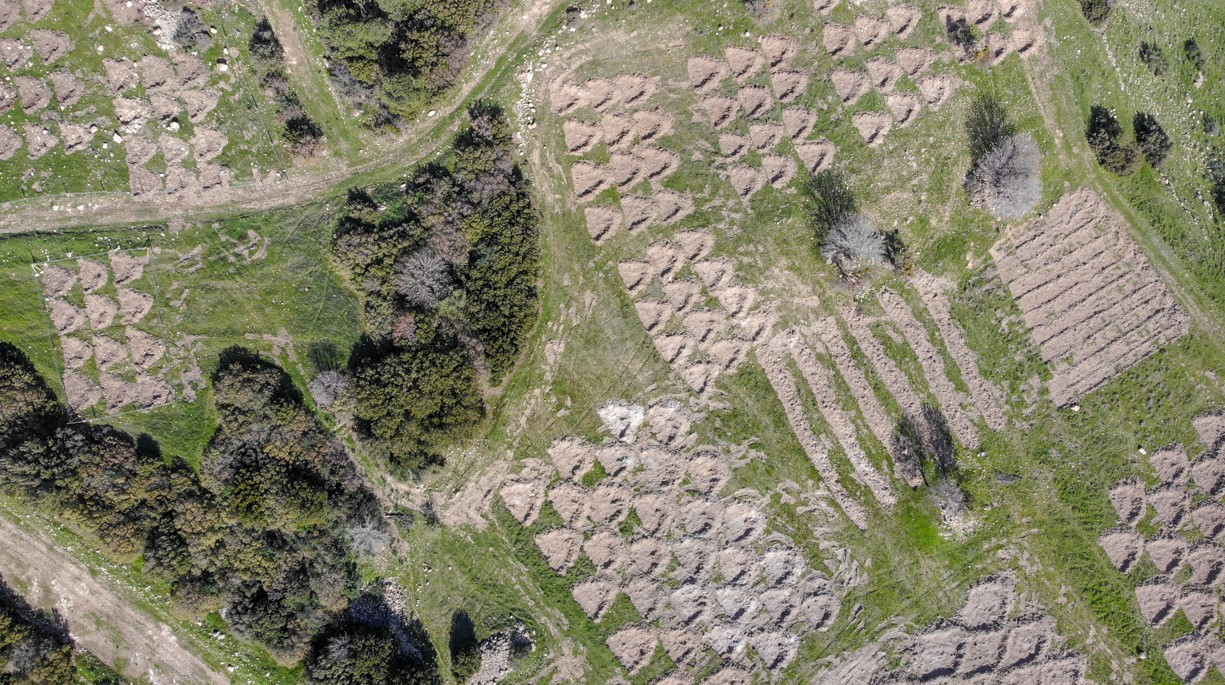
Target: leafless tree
<point>423,278</point>
<point>328,386</point>
<point>368,539</point>
<point>1007,181</point>
<point>853,244</point>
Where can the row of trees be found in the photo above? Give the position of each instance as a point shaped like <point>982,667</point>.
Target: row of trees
<point>448,273</point>
<point>393,56</point>
<point>268,57</point>
<point>1105,136</point>
<point>266,533</point>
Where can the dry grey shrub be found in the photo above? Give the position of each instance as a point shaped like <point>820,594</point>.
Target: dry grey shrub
<point>328,387</point>
<point>853,244</point>
<point>423,278</point>
<point>368,539</point>
<point>1007,181</point>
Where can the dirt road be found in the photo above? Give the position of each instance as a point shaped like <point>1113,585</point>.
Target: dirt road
<point>99,614</point>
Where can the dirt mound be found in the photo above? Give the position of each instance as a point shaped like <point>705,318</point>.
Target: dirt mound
<point>1128,500</point>
<point>57,281</point>
<point>1199,606</point>
<point>778,170</point>
<point>602,94</point>
<point>151,391</point>
<point>744,63</point>
<point>76,137</point>
<point>588,180</point>
<point>34,94</point>
<point>571,503</point>
<point>650,124</point>
<point>904,107</point>
<point>622,171</point>
<point>1206,561</point>
<point>870,31</point>
<point>755,100</point>
<point>164,107</point>
<point>936,653</point>
<point>145,349</point>
<point>50,45</point>
<point>1210,519</point>
<point>937,90</point>
<point>581,137</point>
<point>617,131</point>
<point>93,274</point>
<point>190,71</point>
<point>1156,599</point>
<point>561,547</point>
<point>1210,427</point>
<point>915,61</point>
<point>788,84</point>
<point>1023,42</point>
<point>109,352</point>
<point>872,126</point>
<point>1123,547</point>
<point>208,143</point>
<point>902,19</point>
<point>1166,553</point>
<point>155,72</point>
<point>82,393</point>
<point>746,180</point>
<point>100,310</point>
<point>1209,473</point>
<point>1170,504</point>
<point>141,181</point>
<point>36,10</point>
<point>140,150</point>
<point>732,146</point>
<point>523,498</point>
<point>117,391</point>
<point>635,275</point>
<point>8,97</point>
<point>634,89</point>
<point>609,504</point>
<point>1057,268</point>
<point>173,150</point>
<point>595,596</point>
<point>779,50</point>
<point>14,53</point>
<point>76,352</point>
<point>603,222</point>
<point>765,136</point>
<point>1170,463</point>
<point>850,85</point>
<point>120,75</point>
<point>883,74</point>
<point>798,122</point>
<point>706,73</point>
<point>10,143</point>
<point>565,97</point>
<point>720,110</point>
<point>200,102</point>
<point>633,647</point>
<point>133,305</point>
<point>839,39</point>
<point>10,14</point>
<point>572,457</point>
<point>1188,658</point>
<point>126,267</point>
<point>132,113</point>
<point>825,6</point>
<point>657,163</point>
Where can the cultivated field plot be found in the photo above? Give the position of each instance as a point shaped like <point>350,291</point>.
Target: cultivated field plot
<point>1183,520</point>
<point>699,566</point>
<point>1094,304</point>
<point>121,106</point>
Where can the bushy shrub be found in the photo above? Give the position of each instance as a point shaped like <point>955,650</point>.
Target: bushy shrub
<point>961,33</point>
<point>830,201</point>
<point>1190,50</point>
<point>854,244</point>
<point>1152,140</point>
<point>192,33</point>
<point>1103,134</point>
<point>1007,181</point>
<point>1153,57</point>
<point>1216,178</point>
<point>1095,11</point>
<point>987,125</point>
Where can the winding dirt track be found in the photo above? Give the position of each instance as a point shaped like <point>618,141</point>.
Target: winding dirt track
<point>100,616</point>
<point>419,140</point>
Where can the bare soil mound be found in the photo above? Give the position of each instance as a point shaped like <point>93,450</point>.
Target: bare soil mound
<point>126,267</point>
<point>561,547</point>
<point>82,393</point>
<point>109,353</point>
<point>133,305</point>
<point>208,143</point>
<point>1170,504</point>
<point>788,84</point>
<point>200,102</point>
<point>140,150</point>
<point>1128,499</point>
<point>1156,599</point>
<point>155,72</point>
<point>566,97</point>
<point>1209,473</point>
<point>633,647</point>
<point>650,124</point>
<point>581,137</point>
<point>50,45</point>
<point>14,53</point>
<point>37,10</point>
<point>937,90</point>
<point>57,281</point>
<point>1170,463</point>
<point>141,181</point>
<point>987,603</point>
<point>915,60</point>
<point>903,106</point>
<point>839,39</point>
<point>870,31</point>
<point>190,71</point>
<point>746,180</point>
<point>705,73</point>
<point>778,170</point>
<point>120,75</point>
<point>93,274</point>
<point>720,110</point>
<point>872,126</point>
<point>603,222</point>
<point>756,101</point>
<point>743,63</point>
<point>798,122</point>
<point>732,146</point>
<point>173,149</point>
<point>10,143</point>
<point>595,596</point>
<point>779,50</point>
<point>100,310</point>
<point>902,19</point>
<point>8,97</point>
<point>76,352</point>
<point>34,94</point>
<point>883,74</point>
<point>145,349</point>
<point>571,503</point>
<point>1123,547</point>
<point>523,498</point>
<point>1166,552</point>
<point>1210,427</point>
<point>76,137</point>
<point>850,85</point>
<point>765,136</point>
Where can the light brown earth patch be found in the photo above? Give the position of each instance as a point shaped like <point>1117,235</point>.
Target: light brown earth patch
<point>915,61</point>
<point>744,64</point>
<point>50,45</point>
<point>788,84</point>
<point>10,143</point>
<point>873,126</point>
<point>705,73</point>
<point>839,39</point>
<point>850,85</point>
